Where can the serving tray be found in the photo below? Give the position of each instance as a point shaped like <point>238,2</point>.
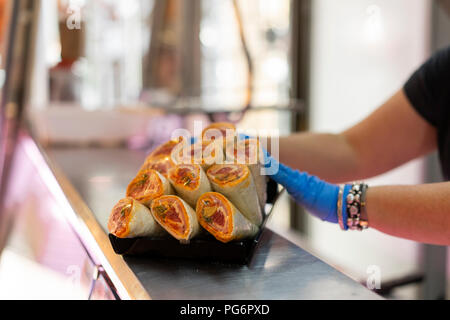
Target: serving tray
<point>203,248</point>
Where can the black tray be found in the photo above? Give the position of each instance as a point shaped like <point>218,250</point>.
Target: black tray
<point>204,248</point>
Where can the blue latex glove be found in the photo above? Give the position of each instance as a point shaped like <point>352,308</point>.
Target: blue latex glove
<point>317,196</point>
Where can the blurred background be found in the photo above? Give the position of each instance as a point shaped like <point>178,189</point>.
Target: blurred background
<point>105,74</point>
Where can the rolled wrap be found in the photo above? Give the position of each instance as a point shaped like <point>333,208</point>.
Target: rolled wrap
<point>205,153</point>
<point>148,185</point>
<point>162,165</point>
<point>236,183</point>
<point>160,159</point>
<point>221,126</point>
<point>176,217</point>
<point>129,219</point>
<point>219,131</point>
<point>250,153</point>
<point>190,182</point>
<point>220,218</point>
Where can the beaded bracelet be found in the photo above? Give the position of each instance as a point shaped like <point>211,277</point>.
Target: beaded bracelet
<point>356,203</point>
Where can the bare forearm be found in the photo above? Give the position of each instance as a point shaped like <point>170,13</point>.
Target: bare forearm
<point>420,213</point>
<point>328,156</point>
<point>389,137</point>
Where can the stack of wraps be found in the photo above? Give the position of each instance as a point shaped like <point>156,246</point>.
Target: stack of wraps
<point>227,193</point>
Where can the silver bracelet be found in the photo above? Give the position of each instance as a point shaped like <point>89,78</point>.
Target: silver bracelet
<point>356,202</point>
<point>339,207</point>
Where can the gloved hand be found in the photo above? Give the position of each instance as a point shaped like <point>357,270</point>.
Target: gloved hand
<point>317,196</point>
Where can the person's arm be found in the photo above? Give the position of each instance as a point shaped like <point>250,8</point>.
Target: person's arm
<point>400,130</point>
<point>420,213</point>
<point>392,135</point>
